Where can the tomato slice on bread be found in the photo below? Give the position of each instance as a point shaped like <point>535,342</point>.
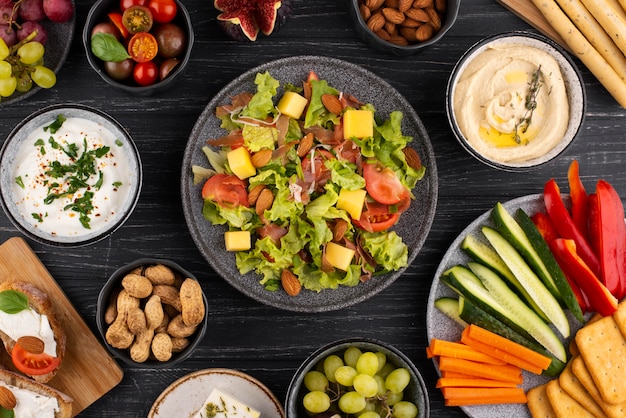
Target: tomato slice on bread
<point>33,364</point>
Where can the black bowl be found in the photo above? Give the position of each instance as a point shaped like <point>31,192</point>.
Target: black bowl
<point>98,13</point>
<point>114,284</point>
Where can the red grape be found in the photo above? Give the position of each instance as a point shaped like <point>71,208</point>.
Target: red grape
<point>29,27</point>
<point>32,10</point>
<point>58,10</point>
<point>7,13</point>
<point>8,34</point>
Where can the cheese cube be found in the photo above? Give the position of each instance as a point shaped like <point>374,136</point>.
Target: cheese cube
<point>339,256</point>
<point>358,123</point>
<point>292,104</point>
<point>352,202</point>
<point>237,240</point>
<point>222,405</point>
<point>240,163</point>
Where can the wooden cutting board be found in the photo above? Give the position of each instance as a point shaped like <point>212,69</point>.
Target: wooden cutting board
<point>528,12</point>
<point>88,371</point>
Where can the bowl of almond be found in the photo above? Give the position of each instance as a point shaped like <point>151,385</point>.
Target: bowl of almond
<point>402,27</point>
<point>152,313</point>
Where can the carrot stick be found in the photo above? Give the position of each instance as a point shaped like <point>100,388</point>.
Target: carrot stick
<point>492,339</point>
<point>459,350</point>
<point>507,372</point>
<point>501,354</point>
<point>472,382</point>
<point>446,373</point>
<point>482,396</point>
<point>429,353</point>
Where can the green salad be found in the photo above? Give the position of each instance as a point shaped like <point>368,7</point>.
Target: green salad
<point>309,185</point>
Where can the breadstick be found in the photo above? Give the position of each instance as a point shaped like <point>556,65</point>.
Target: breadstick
<point>583,49</point>
<point>595,34</point>
<point>612,17</point>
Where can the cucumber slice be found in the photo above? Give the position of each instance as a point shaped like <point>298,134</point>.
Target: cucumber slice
<point>469,312</point>
<point>517,310</point>
<point>513,232</point>
<point>450,308</point>
<point>541,247</point>
<point>529,280</point>
<point>484,254</point>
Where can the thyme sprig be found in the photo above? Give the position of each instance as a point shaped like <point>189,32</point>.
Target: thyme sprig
<point>530,103</point>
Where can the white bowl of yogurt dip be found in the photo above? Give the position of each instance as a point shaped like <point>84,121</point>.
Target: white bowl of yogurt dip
<point>70,175</point>
<point>515,101</point>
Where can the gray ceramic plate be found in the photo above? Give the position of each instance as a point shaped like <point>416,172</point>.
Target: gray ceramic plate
<point>57,47</point>
<point>414,224</point>
<point>442,327</point>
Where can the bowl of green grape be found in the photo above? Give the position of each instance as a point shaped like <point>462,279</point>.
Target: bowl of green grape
<point>357,377</point>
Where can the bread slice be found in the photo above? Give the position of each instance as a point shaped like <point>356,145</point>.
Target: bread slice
<point>39,389</point>
<point>39,301</point>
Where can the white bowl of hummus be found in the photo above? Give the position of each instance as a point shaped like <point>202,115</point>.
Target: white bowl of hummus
<point>515,101</point>
<point>70,175</point>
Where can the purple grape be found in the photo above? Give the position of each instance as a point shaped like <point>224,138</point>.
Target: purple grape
<point>32,10</point>
<point>8,34</point>
<point>7,13</point>
<point>29,27</point>
<point>58,10</point>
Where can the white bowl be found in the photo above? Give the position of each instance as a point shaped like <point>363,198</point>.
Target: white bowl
<point>572,78</point>
<point>115,198</point>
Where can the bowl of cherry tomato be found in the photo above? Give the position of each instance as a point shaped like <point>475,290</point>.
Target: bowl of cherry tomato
<point>140,46</point>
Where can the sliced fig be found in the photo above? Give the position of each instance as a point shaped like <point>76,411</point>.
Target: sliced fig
<point>244,19</point>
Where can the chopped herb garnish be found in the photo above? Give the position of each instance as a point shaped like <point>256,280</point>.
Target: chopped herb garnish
<point>56,125</point>
<point>118,143</point>
<point>117,184</point>
<point>530,103</point>
<point>37,217</point>
<point>19,181</point>
<point>83,206</point>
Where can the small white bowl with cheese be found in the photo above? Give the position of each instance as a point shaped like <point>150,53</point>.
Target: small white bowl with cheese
<point>70,175</point>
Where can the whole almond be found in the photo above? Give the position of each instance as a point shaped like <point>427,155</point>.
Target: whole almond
<point>424,32</point>
<point>393,15</point>
<point>411,23</point>
<point>374,4</point>
<point>392,3</point>
<point>339,229</point>
<point>253,194</point>
<point>412,158</point>
<point>391,28</point>
<point>408,33</point>
<point>420,4</point>
<point>417,14</point>
<point>441,6</point>
<point>306,143</point>
<point>376,21</point>
<point>7,398</point>
<point>264,202</point>
<point>398,40</point>
<point>332,103</point>
<point>404,5</point>
<point>365,12</point>
<point>383,34</point>
<point>435,19</point>
<point>262,157</point>
<point>31,344</point>
<point>290,283</point>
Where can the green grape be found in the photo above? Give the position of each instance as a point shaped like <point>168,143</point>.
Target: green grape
<point>4,50</point>
<point>380,381</point>
<point>351,356</point>
<point>404,409</point>
<point>44,77</point>
<point>367,363</point>
<point>6,70</point>
<point>369,414</point>
<point>30,52</point>
<point>394,398</point>
<point>344,375</point>
<point>7,86</point>
<point>382,360</point>
<point>332,363</point>
<point>24,83</point>
<point>314,380</point>
<point>365,384</point>
<point>352,402</point>
<point>397,380</point>
<point>386,369</point>
<point>316,402</point>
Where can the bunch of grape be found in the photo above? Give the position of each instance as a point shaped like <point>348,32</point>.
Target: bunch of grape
<point>360,384</point>
<point>21,65</point>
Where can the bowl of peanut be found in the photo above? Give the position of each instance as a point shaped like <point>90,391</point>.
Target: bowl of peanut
<point>152,313</point>
<point>402,27</point>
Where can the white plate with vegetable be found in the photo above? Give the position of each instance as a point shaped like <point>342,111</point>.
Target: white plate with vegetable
<point>441,326</point>
<point>413,226</point>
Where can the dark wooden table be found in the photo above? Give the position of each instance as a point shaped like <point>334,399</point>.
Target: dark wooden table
<point>243,334</point>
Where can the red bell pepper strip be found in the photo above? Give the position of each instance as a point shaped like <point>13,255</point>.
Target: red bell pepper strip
<point>545,226</point>
<point>578,195</point>
<point>599,297</point>
<point>565,225</point>
<point>611,240</point>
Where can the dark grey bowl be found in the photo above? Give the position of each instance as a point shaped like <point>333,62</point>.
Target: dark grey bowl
<point>573,82</point>
<point>415,392</point>
<point>98,13</point>
<point>114,283</point>
<point>375,41</point>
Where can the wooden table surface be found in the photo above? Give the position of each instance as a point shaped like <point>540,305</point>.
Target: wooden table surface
<point>243,334</point>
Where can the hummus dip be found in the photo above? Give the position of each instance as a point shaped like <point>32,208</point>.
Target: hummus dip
<point>511,103</point>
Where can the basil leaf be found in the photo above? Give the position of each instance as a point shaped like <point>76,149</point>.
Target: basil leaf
<point>106,47</point>
<point>12,301</point>
<point>6,413</point>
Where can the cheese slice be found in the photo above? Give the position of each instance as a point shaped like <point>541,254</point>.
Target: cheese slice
<point>222,405</point>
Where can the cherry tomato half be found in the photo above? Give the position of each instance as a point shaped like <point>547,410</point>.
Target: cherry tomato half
<point>382,184</point>
<point>146,73</point>
<point>376,217</point>
<point>33,364</point>
<point>142,47</point>
<point>163,11</point>
<point>226,190</point>
<point>125,4</point>
<point>137,19</point>
<point>116,19</point>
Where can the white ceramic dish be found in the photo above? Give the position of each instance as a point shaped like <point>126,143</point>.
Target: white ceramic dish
<point>413,226</point>
<point>185,396</point>
<point>441,327</point>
